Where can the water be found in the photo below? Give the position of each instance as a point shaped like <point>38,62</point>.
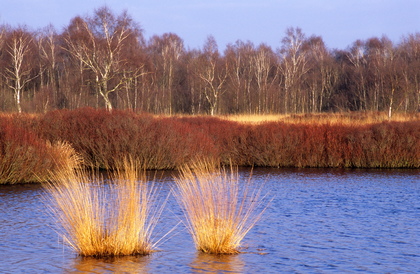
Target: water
<point>319,221</point>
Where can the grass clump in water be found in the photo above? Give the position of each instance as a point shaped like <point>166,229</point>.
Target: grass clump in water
<point>102,220</point>
<point>218,211</point>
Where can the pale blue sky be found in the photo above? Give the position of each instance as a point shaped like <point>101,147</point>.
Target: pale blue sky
<point>339,22</point>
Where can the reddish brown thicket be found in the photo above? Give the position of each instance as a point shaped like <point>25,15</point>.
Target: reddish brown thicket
<point>228,138</point>
<point>393,145</point>
<point>103,139</point>
<point>98,136</point>
<point>285,145</point>
<point>24,157</point>
<point>277,144</point>
<point>382,145</point>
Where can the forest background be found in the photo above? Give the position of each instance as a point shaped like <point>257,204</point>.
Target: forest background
<point>103,61</point>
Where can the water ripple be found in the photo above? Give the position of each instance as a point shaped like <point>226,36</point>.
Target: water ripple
<point>319,221</point>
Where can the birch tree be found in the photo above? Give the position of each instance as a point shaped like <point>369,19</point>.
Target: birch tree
<point>265,75</point>
<point>293,67</point>
<point>410,55</point>
<point>213,72</point>
<point>2,62</point>
<point>98,43</point>
<point>19,72</point>
<point>167,51</point>
<point>240,76</point>
<point>47,51</point>
<point>358,62</point>
<point>323,75</point>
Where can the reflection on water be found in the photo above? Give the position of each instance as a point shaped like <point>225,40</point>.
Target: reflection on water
<point>318,221</point>
<point>125,264</point>
<point>205,263</point>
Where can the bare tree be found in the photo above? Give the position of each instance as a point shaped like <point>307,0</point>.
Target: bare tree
<point>323,74</point>
<point>98,43</point>
<point>213,72</point>
<point>293,67</point>
<point>19,47</point>
<point>240,75</point>
<point>265,76</point>
<point>3,33</point>
<point>356,56</point>
<point>2,62</point>
<point>48,51</point>
<point>167,51</point>
<point>195,84</point>
<point>384,77</point>
<point>409,52</point>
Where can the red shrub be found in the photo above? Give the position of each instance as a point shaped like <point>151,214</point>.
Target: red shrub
<point>103,138</point>
<point>228,138</point>
<point>23,156</point>
<point>393,145</point>
<point>175,143</point>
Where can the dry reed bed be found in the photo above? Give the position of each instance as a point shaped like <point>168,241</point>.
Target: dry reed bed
<point>102,139</point>
<point>347,118</point>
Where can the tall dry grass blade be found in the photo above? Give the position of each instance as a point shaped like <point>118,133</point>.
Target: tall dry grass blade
<point>106,220</point>
<point>219,213</point>
<point>75,202</point>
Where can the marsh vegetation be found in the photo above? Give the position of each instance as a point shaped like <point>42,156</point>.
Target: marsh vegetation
<point>32,145</point>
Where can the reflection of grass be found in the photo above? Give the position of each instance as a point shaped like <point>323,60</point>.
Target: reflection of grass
<point>217,263</point>
<point>120,264</point>
<point>218,213</point>
<point>100,222</point>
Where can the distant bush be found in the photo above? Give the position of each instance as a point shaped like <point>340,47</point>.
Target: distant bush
<point>382,145</point>
<point>103,139</point>
<point>229,139</point>
<point>24,157</point>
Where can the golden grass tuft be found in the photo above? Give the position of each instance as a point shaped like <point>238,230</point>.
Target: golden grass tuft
<point>218,212</point>
<point>66,159</point>
<point>101,220</point>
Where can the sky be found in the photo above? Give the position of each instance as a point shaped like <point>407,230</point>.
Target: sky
<point>338,22</point>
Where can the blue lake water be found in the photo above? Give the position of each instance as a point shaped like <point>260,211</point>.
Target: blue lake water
<point>318,221</point>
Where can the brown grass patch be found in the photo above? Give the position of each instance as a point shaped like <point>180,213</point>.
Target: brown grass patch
<point>347,118</point>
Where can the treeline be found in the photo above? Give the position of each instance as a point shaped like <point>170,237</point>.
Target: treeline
<point>103,60</point>
<point>33,145</point>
